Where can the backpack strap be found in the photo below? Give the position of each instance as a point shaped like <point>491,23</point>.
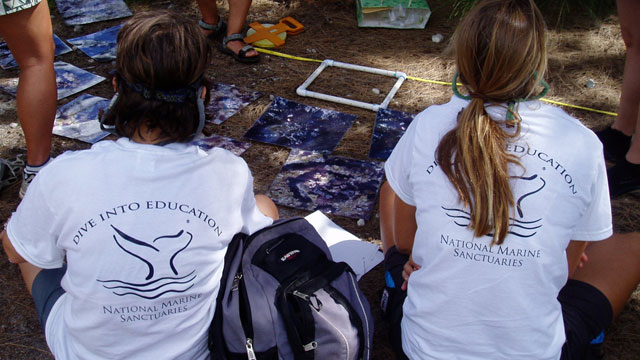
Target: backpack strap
<point>216,340</point>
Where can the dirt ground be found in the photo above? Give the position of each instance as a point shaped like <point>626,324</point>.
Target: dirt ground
<point>581,50</point>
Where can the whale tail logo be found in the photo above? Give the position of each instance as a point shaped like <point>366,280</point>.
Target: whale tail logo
<point>518,226</point>
<point>158,255</point>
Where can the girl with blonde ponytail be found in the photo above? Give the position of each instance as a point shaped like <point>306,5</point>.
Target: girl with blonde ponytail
<point>489,204</point>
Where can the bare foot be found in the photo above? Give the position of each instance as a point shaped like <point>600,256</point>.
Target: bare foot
<point>237,45</point>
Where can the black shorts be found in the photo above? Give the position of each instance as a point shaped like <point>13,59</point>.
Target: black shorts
<point>585,310</point>
<point>586,313</point>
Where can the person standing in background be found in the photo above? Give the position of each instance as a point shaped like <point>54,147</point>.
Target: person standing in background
<point>26,27</point>
<point>232,42</point>
<point>620,144</point>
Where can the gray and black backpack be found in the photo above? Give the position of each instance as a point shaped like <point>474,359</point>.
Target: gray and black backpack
<point>282,297</point>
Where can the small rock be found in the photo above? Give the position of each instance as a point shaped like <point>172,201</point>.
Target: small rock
<point>360,222</point>
<point>375,91</point>
<point>91,61</point>
<point>171,6</point>
<point>436,38</point>
<point>13,125</point>
<point>271,97</point>
<point>77,28</point>
<point>590,84</point>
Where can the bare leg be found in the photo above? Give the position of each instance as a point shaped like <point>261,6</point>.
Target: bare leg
<point>209,11</point>
<point>29,273</point>
<point>627,120</point>
<point>633,156</point>
<point>613,268</point>
<point>267,207</point>
<point>29,35</point>
<point>386,217</point>
<point>238,10</point>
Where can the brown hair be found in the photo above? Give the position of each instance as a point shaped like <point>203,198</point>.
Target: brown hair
<point>501,57</point>
<point>159,52</point>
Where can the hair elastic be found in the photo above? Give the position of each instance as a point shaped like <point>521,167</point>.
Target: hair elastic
<point>511,103</point>
<point>454,87</point>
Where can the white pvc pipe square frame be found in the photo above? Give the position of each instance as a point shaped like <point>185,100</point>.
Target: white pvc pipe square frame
<point>302,89</point>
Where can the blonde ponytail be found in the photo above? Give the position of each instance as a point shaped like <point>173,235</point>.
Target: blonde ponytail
<point>474,158</point>
<point>500,45</point>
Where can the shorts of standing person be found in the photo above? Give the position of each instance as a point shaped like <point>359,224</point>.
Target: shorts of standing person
<point>11,6</point>
<point>46,290</point>
<point>586,312</point>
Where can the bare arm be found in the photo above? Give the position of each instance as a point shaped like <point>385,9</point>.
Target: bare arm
<point>405,225</point>
<point>398,227</point>
<point>11,252</point>
<point>397,221</point>
<point>575,255</point>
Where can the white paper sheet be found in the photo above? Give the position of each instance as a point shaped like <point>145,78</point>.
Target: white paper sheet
<point>344,246</point>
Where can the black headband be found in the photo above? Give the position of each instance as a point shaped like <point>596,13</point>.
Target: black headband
<point>180,95</point>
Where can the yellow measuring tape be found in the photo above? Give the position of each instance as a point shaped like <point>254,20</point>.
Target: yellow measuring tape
<point>271,52</point>
<point>275,53</point>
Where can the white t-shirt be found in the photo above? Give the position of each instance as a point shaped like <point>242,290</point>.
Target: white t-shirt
<point>473,301</point>
<point>144,230</point>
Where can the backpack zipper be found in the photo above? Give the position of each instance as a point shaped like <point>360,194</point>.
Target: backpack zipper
<point>316,305</point>
<point>236,281</point>
<point>311,346</point>
<point>299,328</point>
<point>251,355</point>
<point>245,315</point>
<point>269,249</point>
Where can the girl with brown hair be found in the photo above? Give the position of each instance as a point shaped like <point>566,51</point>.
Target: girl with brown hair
<point>489,204</point>
<point>122,245</point>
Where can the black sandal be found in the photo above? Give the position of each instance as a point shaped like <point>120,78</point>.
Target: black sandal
<point>217,30</point>
<point>241,56</point>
